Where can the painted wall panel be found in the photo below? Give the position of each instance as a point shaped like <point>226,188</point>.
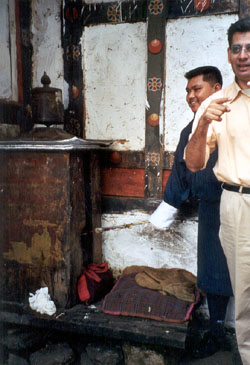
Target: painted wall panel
<point>190,43</point>
<point>8,56</point>
<point>114,66</point>
<point>46,41</point>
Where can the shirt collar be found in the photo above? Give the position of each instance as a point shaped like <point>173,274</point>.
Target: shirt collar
<point>234,91</point>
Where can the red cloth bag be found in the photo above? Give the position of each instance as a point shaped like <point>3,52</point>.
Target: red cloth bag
<point>95,282</point>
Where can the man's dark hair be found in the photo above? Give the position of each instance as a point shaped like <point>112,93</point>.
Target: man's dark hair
<point>211,74</point>
<point>242,26</point>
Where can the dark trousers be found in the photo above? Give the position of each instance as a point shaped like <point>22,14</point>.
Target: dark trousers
<point>217,305</point>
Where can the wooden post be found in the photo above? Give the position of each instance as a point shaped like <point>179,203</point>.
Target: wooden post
<point>95,197</point>
<point>155,81</point>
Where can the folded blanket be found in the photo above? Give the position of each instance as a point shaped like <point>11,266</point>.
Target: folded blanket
<point>178,282</point>
<point>127,298</point>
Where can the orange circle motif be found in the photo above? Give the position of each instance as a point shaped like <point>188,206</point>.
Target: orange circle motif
<point>155,46</point>
<point>153,119</point>
<point>201,5</point>
<point>115,157</point>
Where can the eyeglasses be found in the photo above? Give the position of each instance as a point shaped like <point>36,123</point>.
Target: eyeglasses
<point>237,48</point>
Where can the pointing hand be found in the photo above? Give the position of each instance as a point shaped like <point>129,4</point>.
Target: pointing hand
<point>215,110</point>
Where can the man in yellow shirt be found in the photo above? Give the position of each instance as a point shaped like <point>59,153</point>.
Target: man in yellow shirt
<point>223,120</point>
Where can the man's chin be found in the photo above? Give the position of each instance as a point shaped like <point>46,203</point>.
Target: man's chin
<point>194,109</point>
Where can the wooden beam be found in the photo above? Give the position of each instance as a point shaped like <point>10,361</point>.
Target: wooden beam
<point>19,54</point>
<point>185,8</point>
<point>244,9</point>
<point>73,72</point>
<point>95,201</point>
<point>116,204</point>
<point>157,11</point>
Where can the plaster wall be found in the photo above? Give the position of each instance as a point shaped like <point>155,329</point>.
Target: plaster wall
<point>115,83</point>
<point>143,244</point>
<point>115,66</point>
<point>46,42</point>
<point>190,43</point>
<point>8,55</point>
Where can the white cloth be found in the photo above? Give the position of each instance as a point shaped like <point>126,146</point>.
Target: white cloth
<point>41,302</point>
<point>163,216</point>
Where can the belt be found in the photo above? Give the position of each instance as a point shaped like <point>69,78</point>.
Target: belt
<point>236,188</point>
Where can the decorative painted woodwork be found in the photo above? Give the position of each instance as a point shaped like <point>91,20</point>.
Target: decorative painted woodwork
<point>153,159</point>
<point>165,176</point>
<point>201,5</point>
<point>154,84</point>
<point>153,119</point>
<point>122,182</point>
<point>157,10</point>
<point>155,46</point>
<point>134,11</point>
<point>73,73</point>
<point>114,13</point>
<point>155,7</point>
<point>185,8</point>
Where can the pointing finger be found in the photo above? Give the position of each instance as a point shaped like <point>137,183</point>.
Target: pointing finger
<point>221,100</point>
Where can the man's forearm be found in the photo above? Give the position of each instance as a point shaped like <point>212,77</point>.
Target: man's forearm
<point>196,149</point>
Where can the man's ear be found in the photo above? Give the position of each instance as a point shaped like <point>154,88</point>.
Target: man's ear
<point>217,86</point>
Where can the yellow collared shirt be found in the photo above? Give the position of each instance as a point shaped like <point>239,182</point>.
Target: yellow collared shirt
<point>231,135</point>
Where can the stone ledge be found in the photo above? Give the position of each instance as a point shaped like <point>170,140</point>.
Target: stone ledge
<point>92,321</point>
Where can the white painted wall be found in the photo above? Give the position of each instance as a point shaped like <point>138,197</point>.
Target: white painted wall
<point>142,244</point>
<point>8,54</point>
<point>190,43</point>
<point>115,83</point>
<point>46,42</point>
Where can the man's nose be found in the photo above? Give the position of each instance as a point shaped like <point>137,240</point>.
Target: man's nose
<point>191,94</point>
<point>243,53</point>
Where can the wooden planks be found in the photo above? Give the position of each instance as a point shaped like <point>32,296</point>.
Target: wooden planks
<point>93,322</point>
